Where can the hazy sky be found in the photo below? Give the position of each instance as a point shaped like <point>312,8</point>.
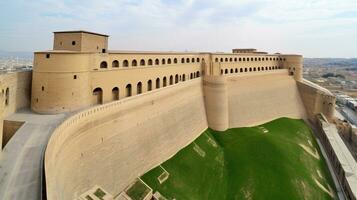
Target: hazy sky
<point>314,28</point>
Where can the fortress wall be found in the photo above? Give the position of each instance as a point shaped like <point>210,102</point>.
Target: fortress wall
<point>216,102</point>
<point>111,144</point>
<point>316,100</point>
<point>58,92</point>
<point>261,97</point>
<point>76,81</point>
<point>15,91</point>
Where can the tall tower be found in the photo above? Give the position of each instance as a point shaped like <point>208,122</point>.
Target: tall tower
<point>294,63</point>
<point>61,77</point>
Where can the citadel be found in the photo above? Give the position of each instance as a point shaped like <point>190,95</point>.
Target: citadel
<point>87,117</point>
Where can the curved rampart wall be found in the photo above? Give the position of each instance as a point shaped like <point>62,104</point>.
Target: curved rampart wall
<point>259,98</point>
<point>111,144</point>
<point>216,102</point>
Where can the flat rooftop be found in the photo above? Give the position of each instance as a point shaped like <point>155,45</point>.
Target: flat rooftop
<point>81,31</point>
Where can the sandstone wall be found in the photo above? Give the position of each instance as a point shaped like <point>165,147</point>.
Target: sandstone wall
<point>259,98</point>
<point>316,100</point>
<point>112,144</point>
<point>15,91</point>
<point>248,99</point>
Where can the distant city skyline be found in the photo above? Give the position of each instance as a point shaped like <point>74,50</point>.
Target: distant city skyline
<point>321,28</point>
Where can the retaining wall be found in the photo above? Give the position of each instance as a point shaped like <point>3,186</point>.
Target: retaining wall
<point>112,144</point>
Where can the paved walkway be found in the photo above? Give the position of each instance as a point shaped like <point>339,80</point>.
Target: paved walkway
<point>21,163</point>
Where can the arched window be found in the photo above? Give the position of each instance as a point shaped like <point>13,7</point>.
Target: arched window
<point>187,60</point>
<point>169,61</point>
<point>258,68</point>
<point>171,80</point>
<point>221,59</point>
<point>230,59</point>
<point>226,71</point>
<point>149,62</point>
<point>163,61</point>
<point>176,78</point>
<point>98,95</point>
<point>134,63</point>
<point>193,60</point>
<point>269,68</point>
<point>157,62</point>
<point>245,69</point>
<point>243,59</point>
<point>236,70</point>
<point>158,83</point>
<point>149,85</point>
<point>115,93</point>
<point>266,68</point>
<point>139,88</point>
<point>175,60</point>
<point>103,64</point>
<point>125,63</point>
<point>197,74</point>
<point>231,71</point>
<point>259,59</point>
<point>198,59</point>
<point>240,59</point>
<point>226,59</point>
<point>115,64</point>
<point>183,77</point>
<point>221,71</point>
<point>128,90</point>
<point>254,69</point>
<point>216,59</point>
<point>262,68</point>
<point>164,81</point>
<point>241,70</point>
<point>255,59</point>
<point>191,76</point>
<point>250,69</point>
<point>182,60</point>
<point>235,59</point>
<point>142,62</point>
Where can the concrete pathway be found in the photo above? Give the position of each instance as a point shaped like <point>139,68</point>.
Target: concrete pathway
<point>21,162</point>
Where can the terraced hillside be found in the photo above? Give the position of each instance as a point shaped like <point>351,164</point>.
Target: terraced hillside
<point>276,160</point>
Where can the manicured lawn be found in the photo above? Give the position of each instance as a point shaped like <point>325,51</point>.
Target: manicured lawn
<point>276,160</point>
<point>138,191</point>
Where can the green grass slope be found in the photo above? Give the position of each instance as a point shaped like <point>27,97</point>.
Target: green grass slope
<point>276,160</point>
